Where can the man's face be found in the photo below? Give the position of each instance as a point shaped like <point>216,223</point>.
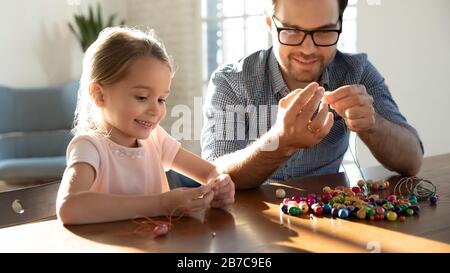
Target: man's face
<point>302,64</point>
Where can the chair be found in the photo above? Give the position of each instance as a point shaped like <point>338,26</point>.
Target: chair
<point>35,131</point>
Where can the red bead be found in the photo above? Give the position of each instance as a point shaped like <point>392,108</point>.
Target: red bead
<point>161,230</point>
<point>296,199</point>
<point>356,189</point>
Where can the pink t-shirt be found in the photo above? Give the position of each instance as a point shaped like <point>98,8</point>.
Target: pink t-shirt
<point>125,170</point>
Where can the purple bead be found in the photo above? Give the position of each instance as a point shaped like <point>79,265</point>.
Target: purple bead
<point>335,212</point>
<point>433,200</point>
<point>284,208</point>
<point>415,208</point>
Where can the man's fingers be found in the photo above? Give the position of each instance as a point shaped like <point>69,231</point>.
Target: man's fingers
<point>319,120</point>
<point>300,99</point>
<point>352,101</point>
<point>342,92</point>
<point>322,132</point>
<point>359,112</point>
<point>361,124</point>
<point>312,105</point>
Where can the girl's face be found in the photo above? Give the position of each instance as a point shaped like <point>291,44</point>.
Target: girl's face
<point>134,106</point>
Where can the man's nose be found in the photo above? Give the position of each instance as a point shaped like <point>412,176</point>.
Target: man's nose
<point>308,45</point>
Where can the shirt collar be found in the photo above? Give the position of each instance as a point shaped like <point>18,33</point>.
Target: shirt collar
<point>279,87</point>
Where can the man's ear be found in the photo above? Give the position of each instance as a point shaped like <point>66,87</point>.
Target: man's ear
<point>97,94</point>
<point>268,20</point>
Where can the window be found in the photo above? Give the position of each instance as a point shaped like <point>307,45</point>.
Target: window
<point>231,29</point>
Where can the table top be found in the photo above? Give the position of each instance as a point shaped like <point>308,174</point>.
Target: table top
<point>254,224</point>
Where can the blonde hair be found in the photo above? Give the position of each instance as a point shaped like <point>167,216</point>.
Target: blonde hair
<point>107,61</point>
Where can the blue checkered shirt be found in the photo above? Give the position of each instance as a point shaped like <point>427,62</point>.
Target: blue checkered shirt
<point>242,99</point>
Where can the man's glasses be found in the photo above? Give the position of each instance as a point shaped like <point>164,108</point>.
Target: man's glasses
<point>294,36</point>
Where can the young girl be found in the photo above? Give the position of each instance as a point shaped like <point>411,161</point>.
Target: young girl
<point>117,160</point>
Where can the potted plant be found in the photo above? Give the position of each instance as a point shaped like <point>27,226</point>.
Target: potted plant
<point>89,27</point>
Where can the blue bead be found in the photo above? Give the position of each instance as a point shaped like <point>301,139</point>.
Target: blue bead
<point>343,213</point>
<point>326,209</point>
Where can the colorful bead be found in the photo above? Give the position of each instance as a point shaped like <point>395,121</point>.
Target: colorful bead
<point>361,214</point>
<point>409,212</point>
<point>356,189</point>
<point>375,186</point>
<point>303,207</point>
<point>284,208</point>
<point>433,200</point>
<point>161,230</point>
<point>327,189</point>
<point>371,212</point>
<point>391,216</point>
<point>294,211</point>
<point>317,209</point>
<point>326,209</point>
<point>343,213</point>
<point>402,218</point>
<point>326,197</point>
<point>335,212</point>
<point>280,193</point>
<point>361,183</point>
<point>380,210</point>
<point>392,198</point>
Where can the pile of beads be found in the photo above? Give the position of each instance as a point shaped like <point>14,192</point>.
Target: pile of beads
<point>355,202</point>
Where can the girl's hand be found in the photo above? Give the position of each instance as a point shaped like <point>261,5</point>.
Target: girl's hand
<point>223,188</point>
<point>187,201</point>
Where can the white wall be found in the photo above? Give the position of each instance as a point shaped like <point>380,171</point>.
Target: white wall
<point>36,45</point>
<point>409,42</point>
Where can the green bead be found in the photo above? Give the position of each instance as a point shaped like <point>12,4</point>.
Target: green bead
<point>371,212</point>
<point>294,211</point>
<point>402,207</point>
<point>409,212</point>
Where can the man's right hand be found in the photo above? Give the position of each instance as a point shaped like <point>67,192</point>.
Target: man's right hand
<point>294,128</point>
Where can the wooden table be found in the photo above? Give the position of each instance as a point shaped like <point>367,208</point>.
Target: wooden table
<point>252,224</point>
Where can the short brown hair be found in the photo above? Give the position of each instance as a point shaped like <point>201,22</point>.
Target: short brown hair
<point>342,6</point>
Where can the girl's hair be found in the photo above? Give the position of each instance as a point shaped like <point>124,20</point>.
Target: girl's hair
<point>107,61</point>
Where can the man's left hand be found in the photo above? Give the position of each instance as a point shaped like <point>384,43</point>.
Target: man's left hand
<point>354,105</point>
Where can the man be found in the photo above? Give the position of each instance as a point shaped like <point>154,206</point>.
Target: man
<point>301,71</point>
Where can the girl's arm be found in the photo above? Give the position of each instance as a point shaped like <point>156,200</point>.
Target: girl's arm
<point>77,205</point>
<point>195,167</point>
<point>205,172</point>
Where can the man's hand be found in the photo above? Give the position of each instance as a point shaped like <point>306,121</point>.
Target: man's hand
<point>294,127</point>
<point>354,105</point>
<point>223,188</point>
